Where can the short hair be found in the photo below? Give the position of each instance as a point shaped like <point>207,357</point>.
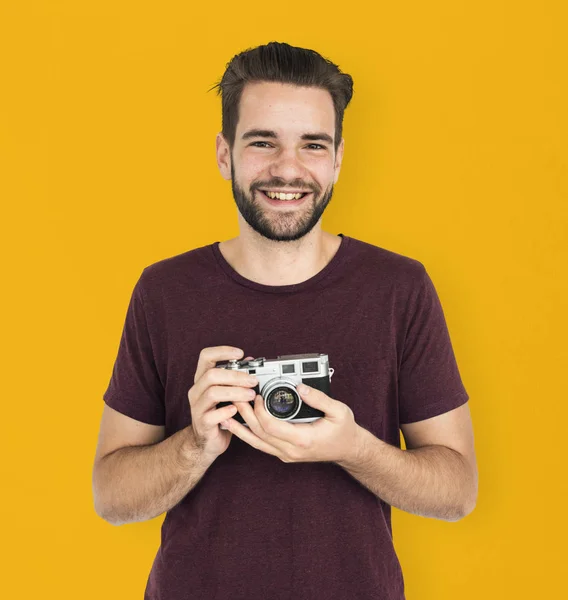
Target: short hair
<point>283,63</point>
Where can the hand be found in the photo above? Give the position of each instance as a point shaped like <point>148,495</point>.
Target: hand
<point>214,385</point>
<point>332,438</point>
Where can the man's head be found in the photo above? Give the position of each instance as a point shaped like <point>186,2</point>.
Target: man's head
<point>282,125</point>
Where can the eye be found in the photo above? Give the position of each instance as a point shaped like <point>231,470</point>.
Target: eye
<point>267,145</point>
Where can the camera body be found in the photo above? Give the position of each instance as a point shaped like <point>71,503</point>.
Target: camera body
<point>277,382</point>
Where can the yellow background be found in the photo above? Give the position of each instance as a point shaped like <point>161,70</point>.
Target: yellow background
<point>455,154</point>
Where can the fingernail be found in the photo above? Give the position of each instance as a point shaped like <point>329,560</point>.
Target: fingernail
<point>303,389</point>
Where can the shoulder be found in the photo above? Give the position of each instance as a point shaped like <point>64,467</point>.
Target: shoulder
<point>168,274</point>
<point>393,267</point>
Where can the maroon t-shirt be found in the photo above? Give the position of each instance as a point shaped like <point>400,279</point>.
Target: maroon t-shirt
<point>255,527</point>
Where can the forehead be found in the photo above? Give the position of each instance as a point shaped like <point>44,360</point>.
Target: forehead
<point>286,108</point>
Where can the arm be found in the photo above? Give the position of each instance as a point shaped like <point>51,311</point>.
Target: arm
<point>435,477</point>
<point>138,482</point>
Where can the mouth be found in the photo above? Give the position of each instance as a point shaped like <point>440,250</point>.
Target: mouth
<point>284,199</point>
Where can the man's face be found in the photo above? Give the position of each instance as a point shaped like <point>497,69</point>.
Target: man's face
<point>284,143</point>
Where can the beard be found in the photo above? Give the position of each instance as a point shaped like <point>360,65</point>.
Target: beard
<point>280,226</point>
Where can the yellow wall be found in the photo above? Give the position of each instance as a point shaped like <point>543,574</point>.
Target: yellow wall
<point>455,154</point>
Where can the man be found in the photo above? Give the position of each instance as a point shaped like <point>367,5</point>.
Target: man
<point>277,509</point>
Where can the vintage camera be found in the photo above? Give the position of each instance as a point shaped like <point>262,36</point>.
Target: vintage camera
<point>277,381</point>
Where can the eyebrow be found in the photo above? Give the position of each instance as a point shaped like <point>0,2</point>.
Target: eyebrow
<point>268,133</point>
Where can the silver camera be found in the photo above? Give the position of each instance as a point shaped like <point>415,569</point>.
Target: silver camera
<point>277,382</point>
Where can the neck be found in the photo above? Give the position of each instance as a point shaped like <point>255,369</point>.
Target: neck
<point>280,263</point>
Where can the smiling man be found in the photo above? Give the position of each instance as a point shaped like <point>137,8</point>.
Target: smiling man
<point>259,507</point>
<point>282,168</point>
<point>305,170</point>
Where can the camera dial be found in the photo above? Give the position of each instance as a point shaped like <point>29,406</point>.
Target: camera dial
<point>233,364</point>
<point>256,362</point>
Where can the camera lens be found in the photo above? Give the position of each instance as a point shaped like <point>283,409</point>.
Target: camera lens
<point>282,402</point>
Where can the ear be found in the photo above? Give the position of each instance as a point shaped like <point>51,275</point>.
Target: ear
<point>223,156</point>
<point>338,159</point>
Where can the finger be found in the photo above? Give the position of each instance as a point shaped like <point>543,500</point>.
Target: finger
<point>315,398</point>
<point>225,393</point>
<point>214,417</point>
<point>282,435</point>
<point>223,380</point>
<point>209,357</point>
<point>245,434</point>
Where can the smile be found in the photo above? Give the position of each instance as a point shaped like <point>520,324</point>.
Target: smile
<point>282,199</point>
<point>284,195</point>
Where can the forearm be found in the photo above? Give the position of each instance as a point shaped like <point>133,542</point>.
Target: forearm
<point>432,481</point>
<point>138,483</point>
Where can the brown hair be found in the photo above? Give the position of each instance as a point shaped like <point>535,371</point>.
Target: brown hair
<point>281,62</point>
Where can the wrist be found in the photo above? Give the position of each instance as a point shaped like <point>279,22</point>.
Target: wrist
<point>191,454</point>
<point>359,449</point>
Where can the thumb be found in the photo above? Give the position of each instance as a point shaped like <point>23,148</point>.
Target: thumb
<point>317,399</point>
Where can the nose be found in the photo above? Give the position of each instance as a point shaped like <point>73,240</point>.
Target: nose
<point>287,166</point>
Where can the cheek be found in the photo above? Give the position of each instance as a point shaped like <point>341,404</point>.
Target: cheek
<point>322,170</point>
<point>247,164</point>
<point>254,170</point>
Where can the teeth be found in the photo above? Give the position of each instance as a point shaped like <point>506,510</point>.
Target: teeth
<point>278,196</point>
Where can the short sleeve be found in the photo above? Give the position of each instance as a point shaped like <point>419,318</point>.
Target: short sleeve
<point>429,381</point>
<point>135,389</point>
